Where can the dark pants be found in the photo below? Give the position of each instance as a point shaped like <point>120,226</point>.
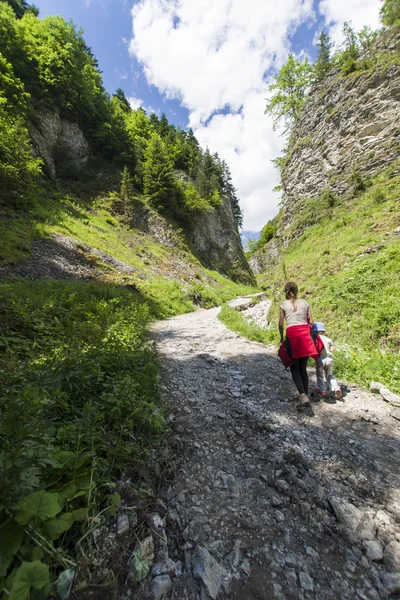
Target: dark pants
<point>299,374</point>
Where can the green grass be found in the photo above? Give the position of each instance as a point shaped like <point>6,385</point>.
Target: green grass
<point>235,321</point>
<point>79,403</point>
<point>355,293</point>
<point>79,399</point>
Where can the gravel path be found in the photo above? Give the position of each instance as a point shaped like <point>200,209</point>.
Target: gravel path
<point>267,502</point>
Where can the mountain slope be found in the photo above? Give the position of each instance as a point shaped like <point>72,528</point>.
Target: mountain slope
<point>337,234</point>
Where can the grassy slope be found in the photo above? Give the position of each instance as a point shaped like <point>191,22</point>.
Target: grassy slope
<point>79,399</point>
<point>356,295</point>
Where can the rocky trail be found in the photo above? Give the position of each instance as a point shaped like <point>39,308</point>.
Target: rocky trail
<point>267,502</point>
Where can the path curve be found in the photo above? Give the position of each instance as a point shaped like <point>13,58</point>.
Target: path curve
<point>268,503</point>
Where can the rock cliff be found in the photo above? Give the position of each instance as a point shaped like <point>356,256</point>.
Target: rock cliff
<point>348,129</point>
<point>213,236</point>
<point>58,142</point>
<point>216,241</point>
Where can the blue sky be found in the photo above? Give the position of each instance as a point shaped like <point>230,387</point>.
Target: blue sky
<point>107,26</point>
<point>207,64</point>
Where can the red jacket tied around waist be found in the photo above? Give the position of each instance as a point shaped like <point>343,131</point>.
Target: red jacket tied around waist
<point>299,344</point>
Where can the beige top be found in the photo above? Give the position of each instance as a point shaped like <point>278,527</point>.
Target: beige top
<point>295,318</point>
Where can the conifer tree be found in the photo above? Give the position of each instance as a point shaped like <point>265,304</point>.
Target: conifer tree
<point>229,191</point>
<point>347,59</point>
<point>323,63</point>
<point>158,174</point>
<point>126,190</point>
<point>120,94</point>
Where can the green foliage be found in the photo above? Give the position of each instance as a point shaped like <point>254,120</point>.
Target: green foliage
<point>289,92</point>
<point>158,175</point>
<point>267,233</point>
<point>236,322</point>
<point>351,287</point>
<point>18,169</point>
<point>126,191</point>
<point>45,63</point>
<point>79,402</point>
<point>346,60</point>
<point>323,63</point>
<point>390,13</point>
<point>139,565</point>
<point>30,575</point>
<point>357,182</point>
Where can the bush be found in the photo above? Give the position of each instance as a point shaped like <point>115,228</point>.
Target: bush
<point>79,403</point>
<point>19,170</point>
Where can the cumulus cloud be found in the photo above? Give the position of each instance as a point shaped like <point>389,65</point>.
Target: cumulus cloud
<point>359,12</point>
<point>216,58</point>
<point>135,102</point>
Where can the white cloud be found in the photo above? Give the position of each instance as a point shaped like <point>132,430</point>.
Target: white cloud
<point>213,56</point>
<point>135,102</point>
<point>359,12</point>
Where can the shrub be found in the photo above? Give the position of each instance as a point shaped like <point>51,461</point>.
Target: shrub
<point>79,403</point>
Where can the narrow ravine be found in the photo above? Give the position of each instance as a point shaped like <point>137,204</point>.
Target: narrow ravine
<point>268,502</point>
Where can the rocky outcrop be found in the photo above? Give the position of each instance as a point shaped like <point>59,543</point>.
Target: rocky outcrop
<point>58,142</point>
<point>149,221</point>
<point>265,258</point>
<point>216,241</point>
<point>348,130</point>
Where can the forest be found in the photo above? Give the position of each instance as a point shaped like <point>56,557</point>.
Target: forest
<point>46,64</point>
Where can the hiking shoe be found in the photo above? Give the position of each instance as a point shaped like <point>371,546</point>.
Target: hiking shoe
<point>303,401</point>
<point>318,391</point>
<point>338,394</point>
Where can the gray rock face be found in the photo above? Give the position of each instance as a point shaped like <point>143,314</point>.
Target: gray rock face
<point>266,258</point>
<point>58,142</point>
<point>209,571</point>
<point>347,124</point>
<point>216,240</point>
<point>391,556</point>
<point>373,550</point>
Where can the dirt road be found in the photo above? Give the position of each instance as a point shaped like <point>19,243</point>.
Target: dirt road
<point>267,502</point>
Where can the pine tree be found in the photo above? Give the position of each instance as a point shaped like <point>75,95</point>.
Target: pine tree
<point>323,63</point>
<point>347,59</point>
<point>126,190</point>
<point>229,191</point>
<point>120,94</point>
<point>158,175</point>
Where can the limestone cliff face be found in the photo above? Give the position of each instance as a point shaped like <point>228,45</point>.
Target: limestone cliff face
<point>58,142</point>
<point>216,241</point>
<point>213,236</point>
<point>265,258</point>
<point>348,131</point>
<point>348,124</point>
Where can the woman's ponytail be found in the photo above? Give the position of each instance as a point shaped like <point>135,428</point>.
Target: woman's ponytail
<point>291,291</point>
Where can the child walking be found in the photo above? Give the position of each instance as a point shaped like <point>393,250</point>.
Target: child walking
<point>324,364</point>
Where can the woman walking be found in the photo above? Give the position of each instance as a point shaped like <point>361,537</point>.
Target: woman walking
<point>299,344</point>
